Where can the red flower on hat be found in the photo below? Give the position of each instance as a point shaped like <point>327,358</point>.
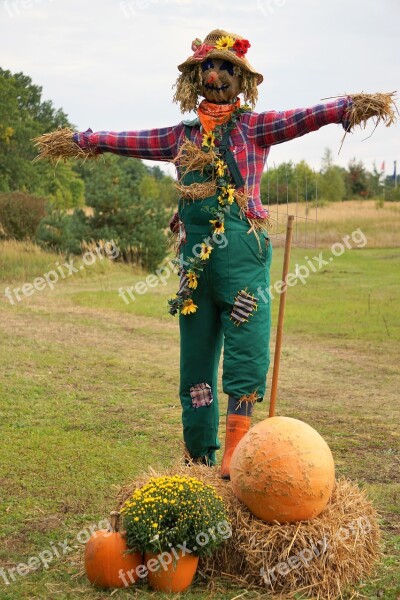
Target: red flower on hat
<point>241,47</point>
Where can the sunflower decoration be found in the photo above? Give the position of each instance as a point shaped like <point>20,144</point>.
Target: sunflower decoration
<point>205,251</point>
<point>220,168</point>
<point>225,43</point>
<point>208,140</point>
<point>227,195</point>
<point>218,226</point>
<point>192,280</point>
<point>188,307</point>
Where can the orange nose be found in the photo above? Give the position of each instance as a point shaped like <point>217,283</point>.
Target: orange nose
<point>212,77</point>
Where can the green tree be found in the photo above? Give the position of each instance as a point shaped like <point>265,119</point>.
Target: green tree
<point>288,183</point>
<point>375,183</point>
<point>357,182</point>
<point>127,210</point>
<point>332,187</point>
<point>60,231</point>
<point>23,116</point>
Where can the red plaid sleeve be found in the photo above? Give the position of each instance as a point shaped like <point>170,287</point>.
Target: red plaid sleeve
<point>152,144</point>
<point>272,127</point>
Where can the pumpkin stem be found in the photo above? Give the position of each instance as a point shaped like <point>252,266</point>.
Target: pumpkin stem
<point>114,521</point>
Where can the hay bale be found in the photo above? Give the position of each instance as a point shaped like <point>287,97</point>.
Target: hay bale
<point>321,558</point>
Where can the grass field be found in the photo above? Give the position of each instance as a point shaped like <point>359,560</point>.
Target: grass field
<point>86,380</point>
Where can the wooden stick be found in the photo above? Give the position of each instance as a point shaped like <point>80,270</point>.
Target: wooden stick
<point>281,315</point>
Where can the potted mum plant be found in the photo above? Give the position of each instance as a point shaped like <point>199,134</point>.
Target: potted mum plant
<point>173,520</point>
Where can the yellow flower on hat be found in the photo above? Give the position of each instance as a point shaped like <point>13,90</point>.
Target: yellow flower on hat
<point>225,42</point>
<point>188,307</point>
<point>205,251</point>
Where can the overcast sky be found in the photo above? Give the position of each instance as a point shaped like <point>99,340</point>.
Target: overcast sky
<point>111,64</point>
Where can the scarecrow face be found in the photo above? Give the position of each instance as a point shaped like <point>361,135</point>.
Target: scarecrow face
<point>220,81</point>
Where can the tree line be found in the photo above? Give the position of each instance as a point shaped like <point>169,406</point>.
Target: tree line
<point>298,183</point>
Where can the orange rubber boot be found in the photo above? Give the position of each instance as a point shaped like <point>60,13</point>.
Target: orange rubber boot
<point>236,427</point>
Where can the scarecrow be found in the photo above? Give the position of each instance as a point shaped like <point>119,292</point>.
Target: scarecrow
<point>224,250</point>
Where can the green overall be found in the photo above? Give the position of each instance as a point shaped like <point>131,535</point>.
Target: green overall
<point>239,261</point>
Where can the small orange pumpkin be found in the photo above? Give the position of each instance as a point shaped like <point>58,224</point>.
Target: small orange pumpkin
<point>107,561</point>
<point>172,575</point>
<point>283,470</point>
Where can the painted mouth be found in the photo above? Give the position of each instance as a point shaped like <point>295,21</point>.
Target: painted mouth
<point>214,88</point>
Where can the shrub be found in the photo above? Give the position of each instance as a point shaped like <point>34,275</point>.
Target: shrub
<point>20,215</point>
<point>61,232</point>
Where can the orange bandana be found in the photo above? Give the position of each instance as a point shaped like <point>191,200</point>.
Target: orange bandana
<point>211,115</point>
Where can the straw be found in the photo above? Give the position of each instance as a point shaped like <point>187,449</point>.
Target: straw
<point>380,107</point>
<point>59,144</point>
<point>191,158</point>
<point>197,191</point>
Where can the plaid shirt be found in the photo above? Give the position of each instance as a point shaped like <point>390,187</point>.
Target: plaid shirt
<point>250,141</point>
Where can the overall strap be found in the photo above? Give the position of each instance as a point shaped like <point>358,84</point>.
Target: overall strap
<point>188,129</point>
<point>230,159</point>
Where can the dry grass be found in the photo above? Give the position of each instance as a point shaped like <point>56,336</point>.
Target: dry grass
<point>381,107</point>
<point>191,158</point>
<point>334,551</point>
<point>326,225</point>
<point>58,145</point>
<point>197,191</point>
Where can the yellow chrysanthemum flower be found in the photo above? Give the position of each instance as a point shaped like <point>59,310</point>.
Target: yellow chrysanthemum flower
<point>208,140</point>
<point>225,42</point>
<point>205,251</point>
<point>188,307</point>
<point>192,280</point>
<point>218,227</point>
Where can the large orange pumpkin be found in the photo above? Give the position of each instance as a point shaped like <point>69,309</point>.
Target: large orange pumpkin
<point>107,563</point>
<point>283,470</point>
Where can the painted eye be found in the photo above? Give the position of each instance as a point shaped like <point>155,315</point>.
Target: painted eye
<point>207,64</point>
<point>227,66</point>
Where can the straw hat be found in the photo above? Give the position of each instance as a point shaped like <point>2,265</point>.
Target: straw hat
<point>224,45</point>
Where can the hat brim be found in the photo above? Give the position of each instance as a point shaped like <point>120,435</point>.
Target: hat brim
<point>223,55</point>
